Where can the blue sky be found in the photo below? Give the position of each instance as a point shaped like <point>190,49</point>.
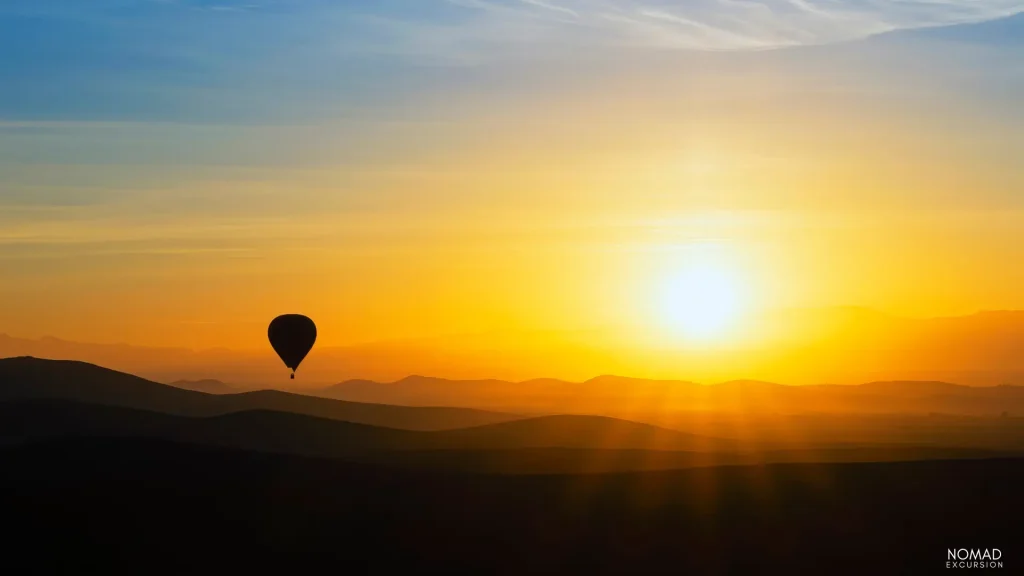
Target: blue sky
<point>128,84</point>
<point>229,61</point>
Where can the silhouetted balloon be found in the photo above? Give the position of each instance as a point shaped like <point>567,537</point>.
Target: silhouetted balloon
<point>292,337</point>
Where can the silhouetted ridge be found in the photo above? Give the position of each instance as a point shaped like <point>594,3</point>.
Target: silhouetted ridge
<point>632,398</point>
<point>32,378</point>
<point>28,377</point>
<point>207,386</point>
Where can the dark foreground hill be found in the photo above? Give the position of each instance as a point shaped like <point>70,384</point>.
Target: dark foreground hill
<point>32,378</point>
<point>262,430</point>
<point>133,506</point>
<point>555,444</point>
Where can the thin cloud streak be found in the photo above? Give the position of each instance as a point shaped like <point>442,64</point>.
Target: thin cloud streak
<point>726,24</point>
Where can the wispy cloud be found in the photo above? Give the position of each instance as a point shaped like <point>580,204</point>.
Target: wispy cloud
<point>300,61</point>
<point>730,24</point>
<point>432,25</point>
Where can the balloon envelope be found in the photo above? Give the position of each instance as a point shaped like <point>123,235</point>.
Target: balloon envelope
<point>292,337</point>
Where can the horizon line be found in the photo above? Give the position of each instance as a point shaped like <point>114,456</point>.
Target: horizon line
<point>405,339</point>
<point>244,389</point>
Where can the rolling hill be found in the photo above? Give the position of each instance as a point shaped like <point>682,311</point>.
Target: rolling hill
<point>263,430</point>
<point>207,386</point>
<point>554,444</point>
<point>32,378</point>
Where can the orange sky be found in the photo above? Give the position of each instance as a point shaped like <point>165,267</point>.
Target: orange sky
<point>556,202</point>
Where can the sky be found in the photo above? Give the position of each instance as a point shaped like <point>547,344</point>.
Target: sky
<point>179,172</point>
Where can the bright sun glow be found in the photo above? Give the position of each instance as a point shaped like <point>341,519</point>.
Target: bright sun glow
<point>703,301</point>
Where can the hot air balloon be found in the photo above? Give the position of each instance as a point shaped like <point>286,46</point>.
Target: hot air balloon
<point>292,337</point>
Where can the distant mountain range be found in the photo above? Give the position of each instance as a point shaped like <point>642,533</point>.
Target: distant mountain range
<point>612,395</point>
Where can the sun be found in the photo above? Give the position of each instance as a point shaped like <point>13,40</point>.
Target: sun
<point>702,301</point>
